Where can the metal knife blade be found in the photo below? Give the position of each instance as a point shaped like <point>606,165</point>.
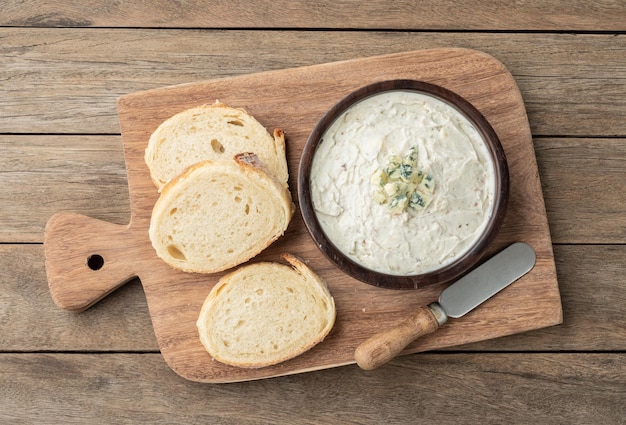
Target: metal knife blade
<point>488,279</point>
<point>455,301</point>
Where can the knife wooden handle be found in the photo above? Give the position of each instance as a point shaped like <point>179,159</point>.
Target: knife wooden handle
<point>384,346</point>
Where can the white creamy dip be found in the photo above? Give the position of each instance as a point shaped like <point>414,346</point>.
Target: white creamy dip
<point>449,148</point>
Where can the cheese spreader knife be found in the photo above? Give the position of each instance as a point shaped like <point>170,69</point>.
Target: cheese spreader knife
<point>455,301</point>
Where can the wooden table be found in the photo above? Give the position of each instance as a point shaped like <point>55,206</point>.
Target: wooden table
<point>64,64</point>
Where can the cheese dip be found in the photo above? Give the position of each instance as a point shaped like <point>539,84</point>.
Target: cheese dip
<point>359,144</point>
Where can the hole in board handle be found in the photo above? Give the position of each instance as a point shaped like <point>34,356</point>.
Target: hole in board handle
<point>95,262</point>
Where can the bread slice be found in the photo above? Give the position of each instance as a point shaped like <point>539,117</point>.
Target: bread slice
<point>265,313</point>
<point>218,214</point>
<point>211,132</point>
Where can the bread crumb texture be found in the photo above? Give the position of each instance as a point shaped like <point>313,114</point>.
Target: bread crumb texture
<point>214,132</point>
<point>265,313</point>
<point>218,214</point>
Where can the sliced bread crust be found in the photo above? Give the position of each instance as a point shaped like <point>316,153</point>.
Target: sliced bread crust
<point>266,313</point>
<point>214,132</point>
<point>218,214</point>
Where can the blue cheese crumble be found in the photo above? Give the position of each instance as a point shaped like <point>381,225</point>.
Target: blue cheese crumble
<point>401,185</point>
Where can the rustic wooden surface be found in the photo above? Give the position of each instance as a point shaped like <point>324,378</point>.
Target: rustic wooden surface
<point>294,99</point>
<point>64,65</point>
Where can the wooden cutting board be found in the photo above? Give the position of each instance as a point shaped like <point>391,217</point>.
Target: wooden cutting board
<point>86,258</point>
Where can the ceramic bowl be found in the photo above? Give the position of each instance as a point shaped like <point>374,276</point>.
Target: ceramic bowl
<point>462,263</point>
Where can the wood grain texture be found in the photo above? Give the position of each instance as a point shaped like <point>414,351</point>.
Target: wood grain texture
<point>174,298</point>
<point>591,290</point>
<point>68,80</point>
<point>380,348</point>
<point>58,90</point>
<point>29,320</point>
<point>583,177</point>
<point>42,175</point>
<point>442,388</point>
<point>591,282</point>
<point>447,14</point>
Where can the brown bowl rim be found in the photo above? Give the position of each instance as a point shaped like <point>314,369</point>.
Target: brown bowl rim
<point>444,274</point>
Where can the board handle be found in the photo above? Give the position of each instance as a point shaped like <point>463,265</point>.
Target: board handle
<point>86,259</point>
<point>384,346</point>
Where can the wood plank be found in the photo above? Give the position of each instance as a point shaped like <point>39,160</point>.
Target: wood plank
<point>67,80</point>
<point>41,175</point>
<point>589,276</point>
<point>438,388</point>
<point>29,320</point>
<point>606,15</point>
<point>174,298</point>
<point>86,174</point>
<point>584,185</point>
<point>591,282</point>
